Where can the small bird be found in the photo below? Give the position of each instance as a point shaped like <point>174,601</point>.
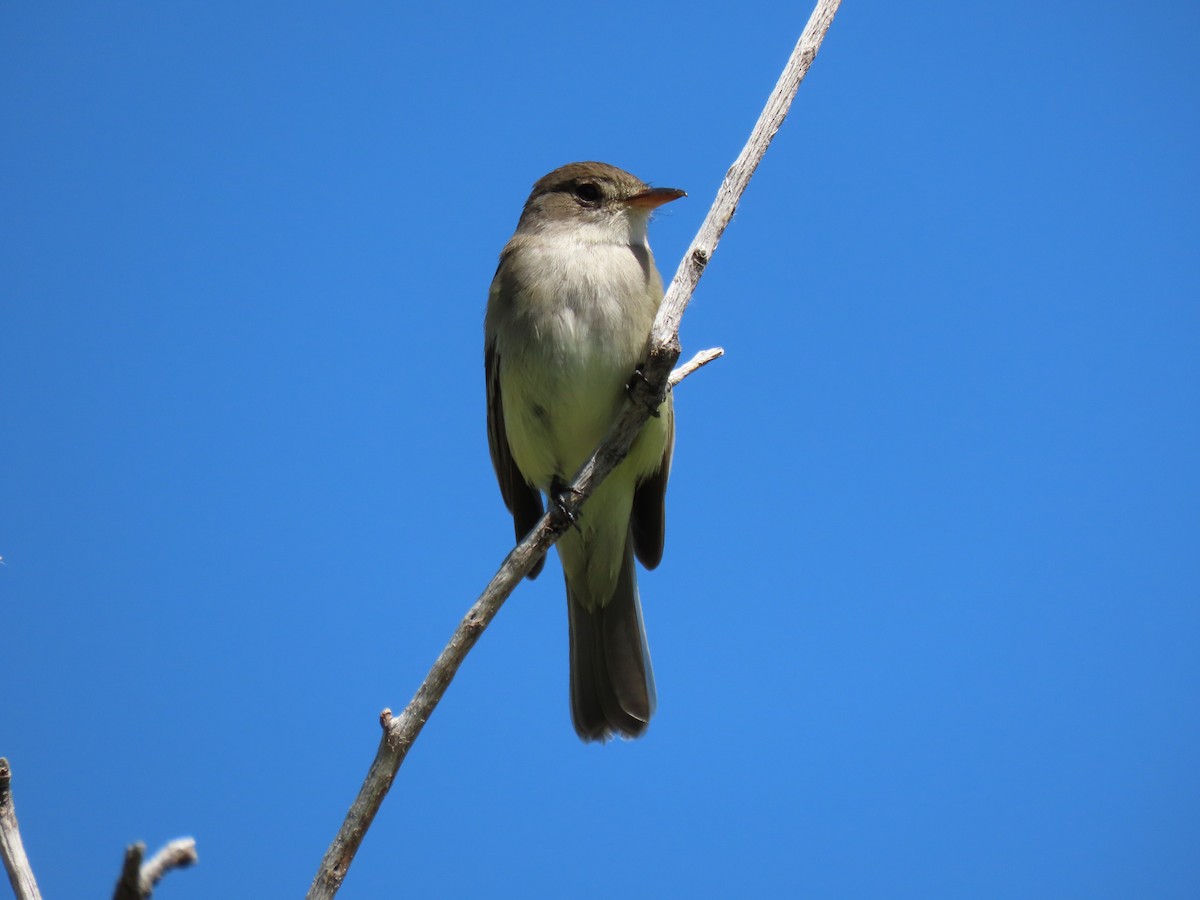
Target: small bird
<point>568,318</point>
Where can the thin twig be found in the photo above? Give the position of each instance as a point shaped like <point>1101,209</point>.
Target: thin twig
<point>400,732</point>
<point>16,863</point>
<point>703,358</point>
<point>138,879</point>
<point>177,854</point>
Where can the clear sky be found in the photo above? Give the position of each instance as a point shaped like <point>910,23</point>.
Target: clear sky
<point>928,624</point>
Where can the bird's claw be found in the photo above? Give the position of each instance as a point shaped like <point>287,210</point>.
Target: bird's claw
<point>559,491</point>
<point>639,375</point>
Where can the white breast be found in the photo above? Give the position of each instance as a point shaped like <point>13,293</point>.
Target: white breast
<point>579,329</point>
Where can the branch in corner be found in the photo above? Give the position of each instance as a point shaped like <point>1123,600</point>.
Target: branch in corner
<point>137,879</point>
<point>16,863</point>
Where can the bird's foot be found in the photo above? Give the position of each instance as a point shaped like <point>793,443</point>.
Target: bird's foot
<point>639,375</point>
<point>563,495</point>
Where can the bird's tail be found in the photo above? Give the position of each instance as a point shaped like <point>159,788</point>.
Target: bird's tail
<point>612,682</point>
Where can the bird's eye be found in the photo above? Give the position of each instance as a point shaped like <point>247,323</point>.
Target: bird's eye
<point>588,193</point>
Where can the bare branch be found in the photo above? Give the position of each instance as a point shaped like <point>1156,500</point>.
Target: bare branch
<point>400,732</point>
<point>703,358</point>
<point>138,879</point>
<point>177,854</point>
<point>16,863</point>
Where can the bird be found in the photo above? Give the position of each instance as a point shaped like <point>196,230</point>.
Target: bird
<point>568,318</point>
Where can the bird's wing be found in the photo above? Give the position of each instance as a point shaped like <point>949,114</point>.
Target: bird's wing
<point>523,500</point>
<point>649,517</point>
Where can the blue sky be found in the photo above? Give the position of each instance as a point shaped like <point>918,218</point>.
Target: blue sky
<point>929,616</point>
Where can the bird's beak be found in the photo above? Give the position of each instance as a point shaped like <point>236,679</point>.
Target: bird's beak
<point>653,198</point>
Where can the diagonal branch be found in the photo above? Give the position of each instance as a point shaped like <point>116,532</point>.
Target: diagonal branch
<point>400,732</point>
<point>703,358</point>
